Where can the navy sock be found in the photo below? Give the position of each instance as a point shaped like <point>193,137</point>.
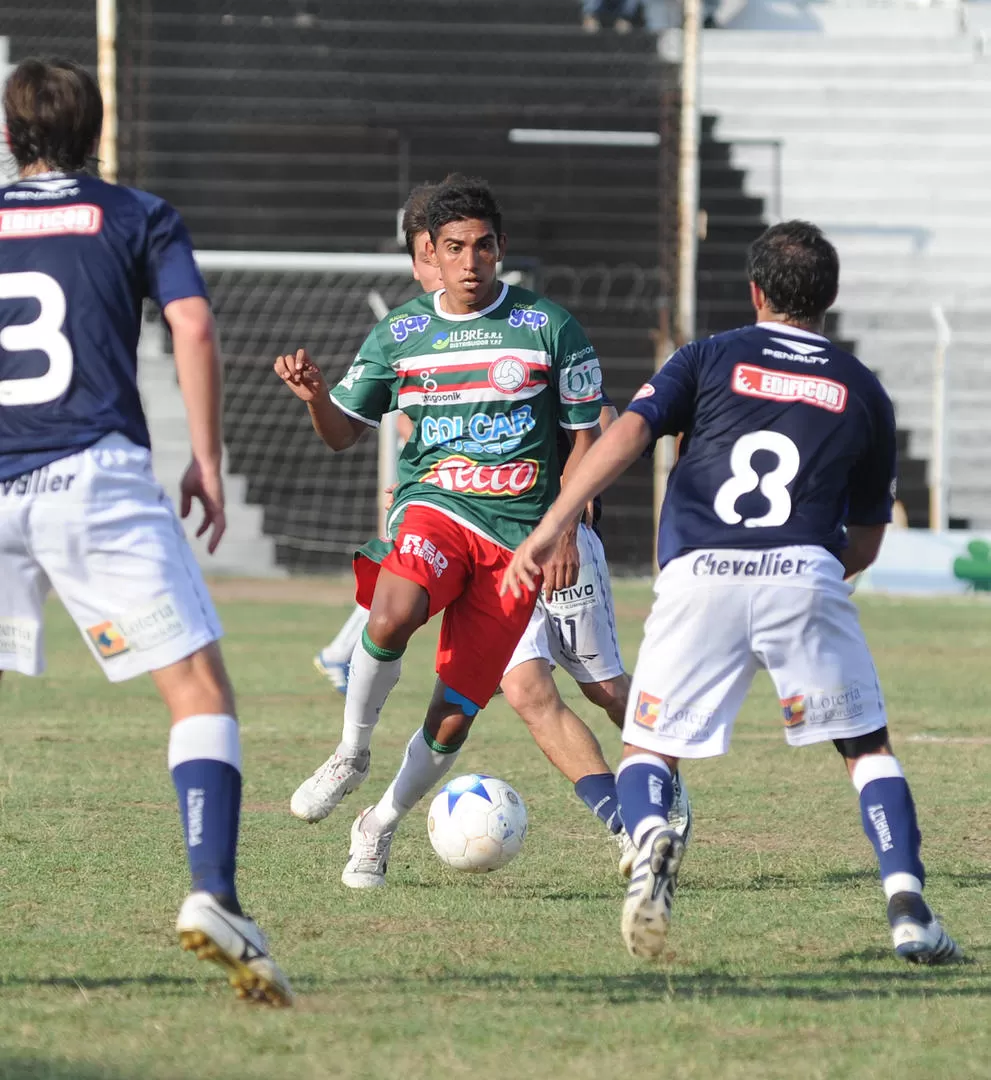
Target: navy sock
<point>888,815</point>
<point>646,791</point>
<point>598,792</point>
<point>204,759</point>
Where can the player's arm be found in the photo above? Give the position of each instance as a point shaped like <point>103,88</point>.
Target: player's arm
<point>661,407</point>
<point>872,491</point>
<point>197,361</point>
<point>337,429</point>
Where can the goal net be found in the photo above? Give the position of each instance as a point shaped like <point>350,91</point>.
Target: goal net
<point>318,506</point>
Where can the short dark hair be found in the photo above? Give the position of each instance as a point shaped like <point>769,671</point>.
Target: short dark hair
<point>797,267</point>
<point>462,198</point>
<point>54,114</point>
<point>415,213</point>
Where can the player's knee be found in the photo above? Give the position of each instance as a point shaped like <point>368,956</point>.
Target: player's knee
<point>392,629</point>
<point>196,685</point>
<point>610,695</point>
<point>874,742</point>
<point>531,694</point>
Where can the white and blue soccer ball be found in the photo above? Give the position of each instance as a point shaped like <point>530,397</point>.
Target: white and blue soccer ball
<point>477,823</point>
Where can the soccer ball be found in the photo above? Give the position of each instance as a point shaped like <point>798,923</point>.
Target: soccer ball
<point>477,823</point>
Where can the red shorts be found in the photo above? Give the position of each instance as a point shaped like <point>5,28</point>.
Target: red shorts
<point>462,573</point>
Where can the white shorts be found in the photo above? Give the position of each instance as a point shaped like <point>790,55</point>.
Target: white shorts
<point>576,628</point>
<point>98,529</point>
<point>721,615</point>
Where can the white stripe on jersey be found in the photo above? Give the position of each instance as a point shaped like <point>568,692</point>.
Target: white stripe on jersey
<point>472,357</point>
<point>415,395</point>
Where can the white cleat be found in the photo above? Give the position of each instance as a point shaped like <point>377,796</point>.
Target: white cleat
<point>236,943</point>
<point>647,908</point>
<point>335,672</point>
<point>917,934</point>
<point>627,852</point>
<point>369,856</point>
<point>338,776</point>
<point>680,814</point>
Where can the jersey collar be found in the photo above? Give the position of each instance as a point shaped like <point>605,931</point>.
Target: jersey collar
<point>471,314</point>
<point>796,331</point>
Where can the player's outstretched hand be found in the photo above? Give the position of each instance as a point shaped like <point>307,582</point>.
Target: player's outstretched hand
<point>561,569</point>
<point>301,375</point>
<point>207,488</point>
<point>523,573</point>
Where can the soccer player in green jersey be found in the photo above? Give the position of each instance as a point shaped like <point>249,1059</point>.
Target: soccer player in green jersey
<point>487,372</point>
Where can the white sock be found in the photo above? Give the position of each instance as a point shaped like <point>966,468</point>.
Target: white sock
<point>340,649</point>
<point>421,769</point>
<point>369,684</point>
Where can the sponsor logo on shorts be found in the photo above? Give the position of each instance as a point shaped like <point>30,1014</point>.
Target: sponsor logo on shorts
<point>81,219</point>
<point>508,374</point>
<point>425,550</point>
<point>823,707</point>
<point>480,433</point>
<point>146,628</point>
<point>404,325</point>
<point>527,317</point>
<point>648,710</point>
<point>758,382</point>
<point>688,723</point>
<point>466,339</point>
<point>580,595</point>
<point>39,482</point>
<point>645,391</point>
<point>457,473</point>
<point>582,382</point>
<point>770,564</point>
<point>108,639</point>
<point>18,637</point>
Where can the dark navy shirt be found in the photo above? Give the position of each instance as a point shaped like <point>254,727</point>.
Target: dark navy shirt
<point>77,258</point>
<point>786,439</point>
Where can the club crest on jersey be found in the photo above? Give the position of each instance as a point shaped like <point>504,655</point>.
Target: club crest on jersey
<point>458,473</point>
<point>758,382</point>
<point>645,391</point>
<point>404,325</point>
<point>509,374</point>
<point>108,639</point>
<point>527,317</point>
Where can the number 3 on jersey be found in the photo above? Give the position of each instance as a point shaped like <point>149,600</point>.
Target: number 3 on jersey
<point>773,485</point>
<point>43,335</point>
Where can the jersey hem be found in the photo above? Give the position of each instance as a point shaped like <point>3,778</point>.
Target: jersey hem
<point>463,522</point>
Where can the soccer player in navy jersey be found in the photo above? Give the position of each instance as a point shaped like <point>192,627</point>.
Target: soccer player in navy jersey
<point>80,511</point>
<point>781,493</point>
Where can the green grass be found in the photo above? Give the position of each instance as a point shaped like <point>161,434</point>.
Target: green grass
<point>781,964</point>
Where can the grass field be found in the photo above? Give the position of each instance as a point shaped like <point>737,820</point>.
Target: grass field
<point>781,966</point>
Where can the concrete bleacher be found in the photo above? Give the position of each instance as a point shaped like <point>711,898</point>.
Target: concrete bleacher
<point>884,144</point>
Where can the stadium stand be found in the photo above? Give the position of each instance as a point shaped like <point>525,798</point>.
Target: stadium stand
<point>883,143</point>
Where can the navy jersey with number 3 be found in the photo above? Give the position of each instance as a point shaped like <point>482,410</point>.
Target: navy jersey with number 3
<point>77,258</point>
<point>786,439</point>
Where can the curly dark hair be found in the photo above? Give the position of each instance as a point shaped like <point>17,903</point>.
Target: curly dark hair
<point>462,198</point>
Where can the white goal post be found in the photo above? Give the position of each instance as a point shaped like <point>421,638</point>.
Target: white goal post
<point>317,507</point>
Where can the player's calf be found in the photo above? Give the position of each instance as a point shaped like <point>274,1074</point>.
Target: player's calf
<point>889,820</point>
<point>610,695</point>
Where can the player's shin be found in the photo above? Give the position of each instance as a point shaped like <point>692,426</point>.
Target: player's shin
<point>598,792</point>
<point>888,814</point>
<point>425,764</point>
<point>646,791</point>
<point>205,763</point>
<point>374,672</point>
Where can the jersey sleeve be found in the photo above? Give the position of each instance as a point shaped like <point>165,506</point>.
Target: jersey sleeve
<point>579,378</point>
<point>667,401</point>
<point>368,390</point>
<point>171,270</point>
<point>872,480</point>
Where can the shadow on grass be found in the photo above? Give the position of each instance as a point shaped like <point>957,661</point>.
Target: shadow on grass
<point>32,1067</point>
<point>81,983</point>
